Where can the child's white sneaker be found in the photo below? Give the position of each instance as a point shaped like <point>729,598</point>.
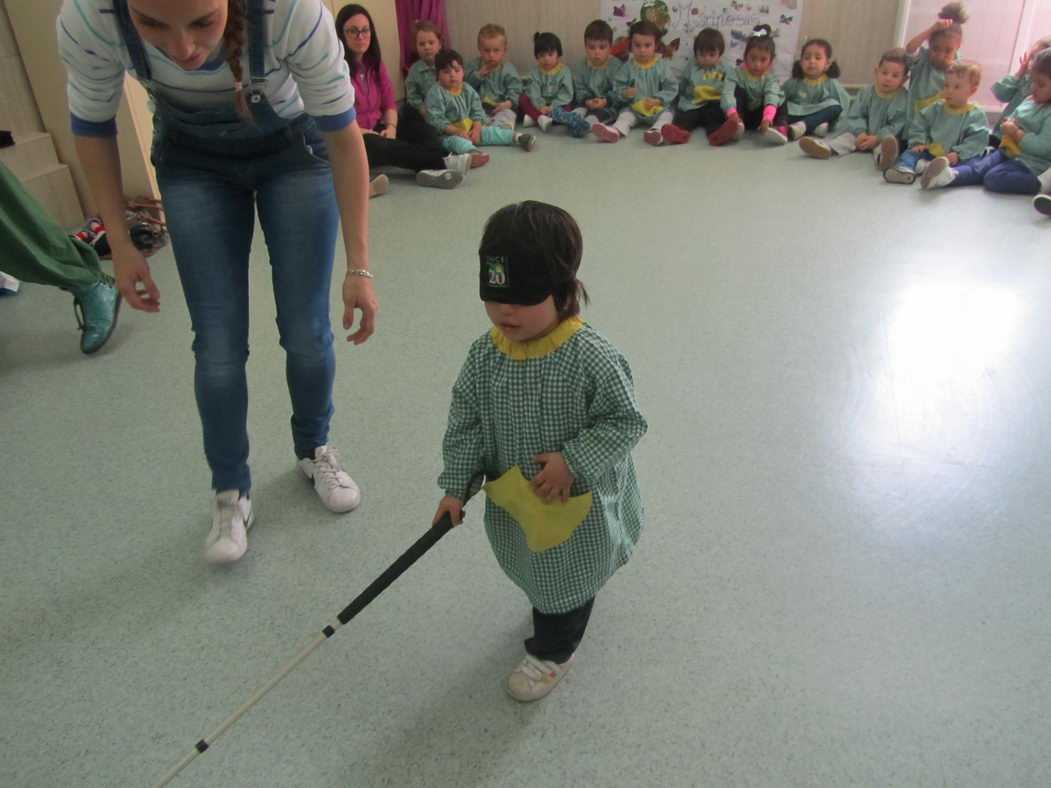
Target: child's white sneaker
<point>527,122</point>
<point>534,678</point>
<point>899,175</point>
<point>921,166</point>
<point>440,179</point>
<point>524,141</point>
<point>544,122</point>
<point>815,148</point>
<point>888,153</point>
<point>821,130</point>
<point>231,518</point>
<point>458,162</point>
<point>1042,203</point>
<point>938,174</point>
<point>778,135</point>
<point>333,485</point>
<point>796,130</point>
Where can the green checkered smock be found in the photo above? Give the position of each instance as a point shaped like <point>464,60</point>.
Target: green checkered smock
<point>568,392</point>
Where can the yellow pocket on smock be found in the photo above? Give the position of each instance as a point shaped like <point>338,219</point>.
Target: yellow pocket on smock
<point>546,525</point>
<point>641,108</point>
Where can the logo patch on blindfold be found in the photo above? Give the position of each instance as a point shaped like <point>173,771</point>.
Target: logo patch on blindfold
<point>497,265</point>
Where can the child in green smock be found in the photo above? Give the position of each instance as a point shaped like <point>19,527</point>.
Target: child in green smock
<point>752,97</point>
<point>544,409</point>
<point>549,86</point>
<point>927,65</point>
<point>814,99</point>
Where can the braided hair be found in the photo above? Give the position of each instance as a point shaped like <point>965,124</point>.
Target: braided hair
<point>233,46</point>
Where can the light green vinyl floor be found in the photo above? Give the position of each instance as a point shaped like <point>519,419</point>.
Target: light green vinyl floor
<point>844,575</point>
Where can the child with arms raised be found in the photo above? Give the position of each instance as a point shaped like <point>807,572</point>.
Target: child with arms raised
<point>876,118</point>
<point>815,98</point>
<point>644,86</point>
<point>1015,88</point>
<point>752,97</point>
<point>701,89</point>
<point>495,80</point>
<point>544,408</point>
<point>593,81</point>
<point>550,83</point>
<point>1024,153</point>
<point>455,110</point>
<point>927,65</point>
<point>952,127</point>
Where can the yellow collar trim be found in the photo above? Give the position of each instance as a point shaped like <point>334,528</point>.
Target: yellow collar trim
<point>536,348</point>
<point>961,110</point>
<point>651,64</point>
<point>597,68</point>
<point>456,92</point>
<point>818,81</point>
<point>883,95</point>
<point>555,70</point>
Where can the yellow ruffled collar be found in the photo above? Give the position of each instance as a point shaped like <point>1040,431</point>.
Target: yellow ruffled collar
<point>961,110</point>
<point>883,95</point>
<point>536,348</point>
<point>555,70</point>
<point>651,64</point>
<point>456,92</point>
<point>818,81</point>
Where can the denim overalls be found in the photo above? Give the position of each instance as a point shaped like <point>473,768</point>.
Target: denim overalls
<point>214,170</point>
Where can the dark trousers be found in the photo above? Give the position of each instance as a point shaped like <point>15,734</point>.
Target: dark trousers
<point>606,114</point>
<point>557,635</point>
<point>998,173</point>
<point>753,117</point>
<point>815,119</point>
<point>709,115</point>
<point>417,146</point>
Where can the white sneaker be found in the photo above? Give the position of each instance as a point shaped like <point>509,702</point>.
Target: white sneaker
<point>527,122</point>
<point>534,678</point>
<point>379,185</point>
<point>899,175</point>
<point>544,122</point>
<point>815,148</point>
<point>458,162</point>
<point>440,179</point>
<point>938,174</point>
<point>333,485</point>
<point>231,518</point>
<point>921,166</point>
<point>888,153</point>
<point>1042,203</point>
<point>796,130</point>
<point>821,130</point>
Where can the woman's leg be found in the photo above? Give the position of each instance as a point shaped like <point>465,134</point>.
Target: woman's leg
<point>384,152</point>
<point>299,217</point>
<point>210,221</point>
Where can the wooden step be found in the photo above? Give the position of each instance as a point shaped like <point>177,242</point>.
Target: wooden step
<point>31,155</point>
<point>53,187</point>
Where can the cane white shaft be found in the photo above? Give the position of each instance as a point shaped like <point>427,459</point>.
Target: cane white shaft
<point>202,745</point>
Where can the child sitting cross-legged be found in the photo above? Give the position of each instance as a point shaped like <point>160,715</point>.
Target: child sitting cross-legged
<point>701,89</point>
<point>952,127</point>
<point>550,85</point>
<point>455,110</point>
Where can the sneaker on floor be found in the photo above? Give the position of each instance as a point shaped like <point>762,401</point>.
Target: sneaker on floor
<point>938,174</point>
<point>534,678</point>
<point>574,122</point>
<point>898,175</point>
<point>544,122</point>
<point>527,122</point>
<point>232,516</point>
<point>796,130</point>
<point>605,133</point>
<point>439,179</point>
<point>776,134</point>
<point>96,308</point>
<point>1042,203</point>
<point>674,134</point>
<point>525,141</point>
<point>921,166</point>
<point>653,137</point>
<point>726,132</point>
<point>815,148</point>
<point>478,159</point>
<point>379,185</point>
<point>333,485</point>
<point>888,153</point>
<point>458,162</point>
<point>821,130</point>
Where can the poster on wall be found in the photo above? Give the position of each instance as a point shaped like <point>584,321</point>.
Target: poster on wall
<point>681,21</point>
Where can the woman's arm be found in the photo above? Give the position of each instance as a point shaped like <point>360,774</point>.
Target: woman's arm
<point>350,175</point>
<point>100,159</point>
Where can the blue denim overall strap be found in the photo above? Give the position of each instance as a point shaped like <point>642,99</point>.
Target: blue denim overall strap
<point>220,129</point>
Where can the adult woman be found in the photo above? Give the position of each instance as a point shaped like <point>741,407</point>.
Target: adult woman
<point>232,87</point>
<point>413,146</point>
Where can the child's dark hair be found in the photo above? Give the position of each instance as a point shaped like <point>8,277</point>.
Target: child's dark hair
<point>709,40</point>
<point>832,72</point>
<point>897,55</point>
<point>957,16</point>
<point>552,235</point>
<point>427,26</point>
<point>446,58</point>
<point>1041,63</point>
<point>761,38</point>
<point>546,42</point>
<point>644,28</point>
<point>599,30</point>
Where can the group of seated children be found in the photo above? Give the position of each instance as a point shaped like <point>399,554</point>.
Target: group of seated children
<point>928,129</point>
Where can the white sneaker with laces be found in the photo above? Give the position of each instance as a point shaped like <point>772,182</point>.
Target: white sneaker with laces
<point>333,485</point>
<point>544,122</point>
<point>232,516</point>
<point>821,130</point>
<point>534,678</point>
<point>458,162</point>
<point>796,130</point>
<point>527,122</point>
<point>938,174</point>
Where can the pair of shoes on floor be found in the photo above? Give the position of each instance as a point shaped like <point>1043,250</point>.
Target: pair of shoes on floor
<point>605,133</point>
<point>815,148</point>
<point>378,186</point>
<point>939,173</point>
<point>574,123</point>
<point>534,678</point>
<point>232,513</point>
<point>732,129</point>
<point>96,308</point>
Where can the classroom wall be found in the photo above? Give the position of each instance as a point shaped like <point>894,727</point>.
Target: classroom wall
<point>18,110</point>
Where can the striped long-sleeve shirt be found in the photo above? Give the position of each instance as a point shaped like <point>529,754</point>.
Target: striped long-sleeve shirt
<point>304,66</point>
